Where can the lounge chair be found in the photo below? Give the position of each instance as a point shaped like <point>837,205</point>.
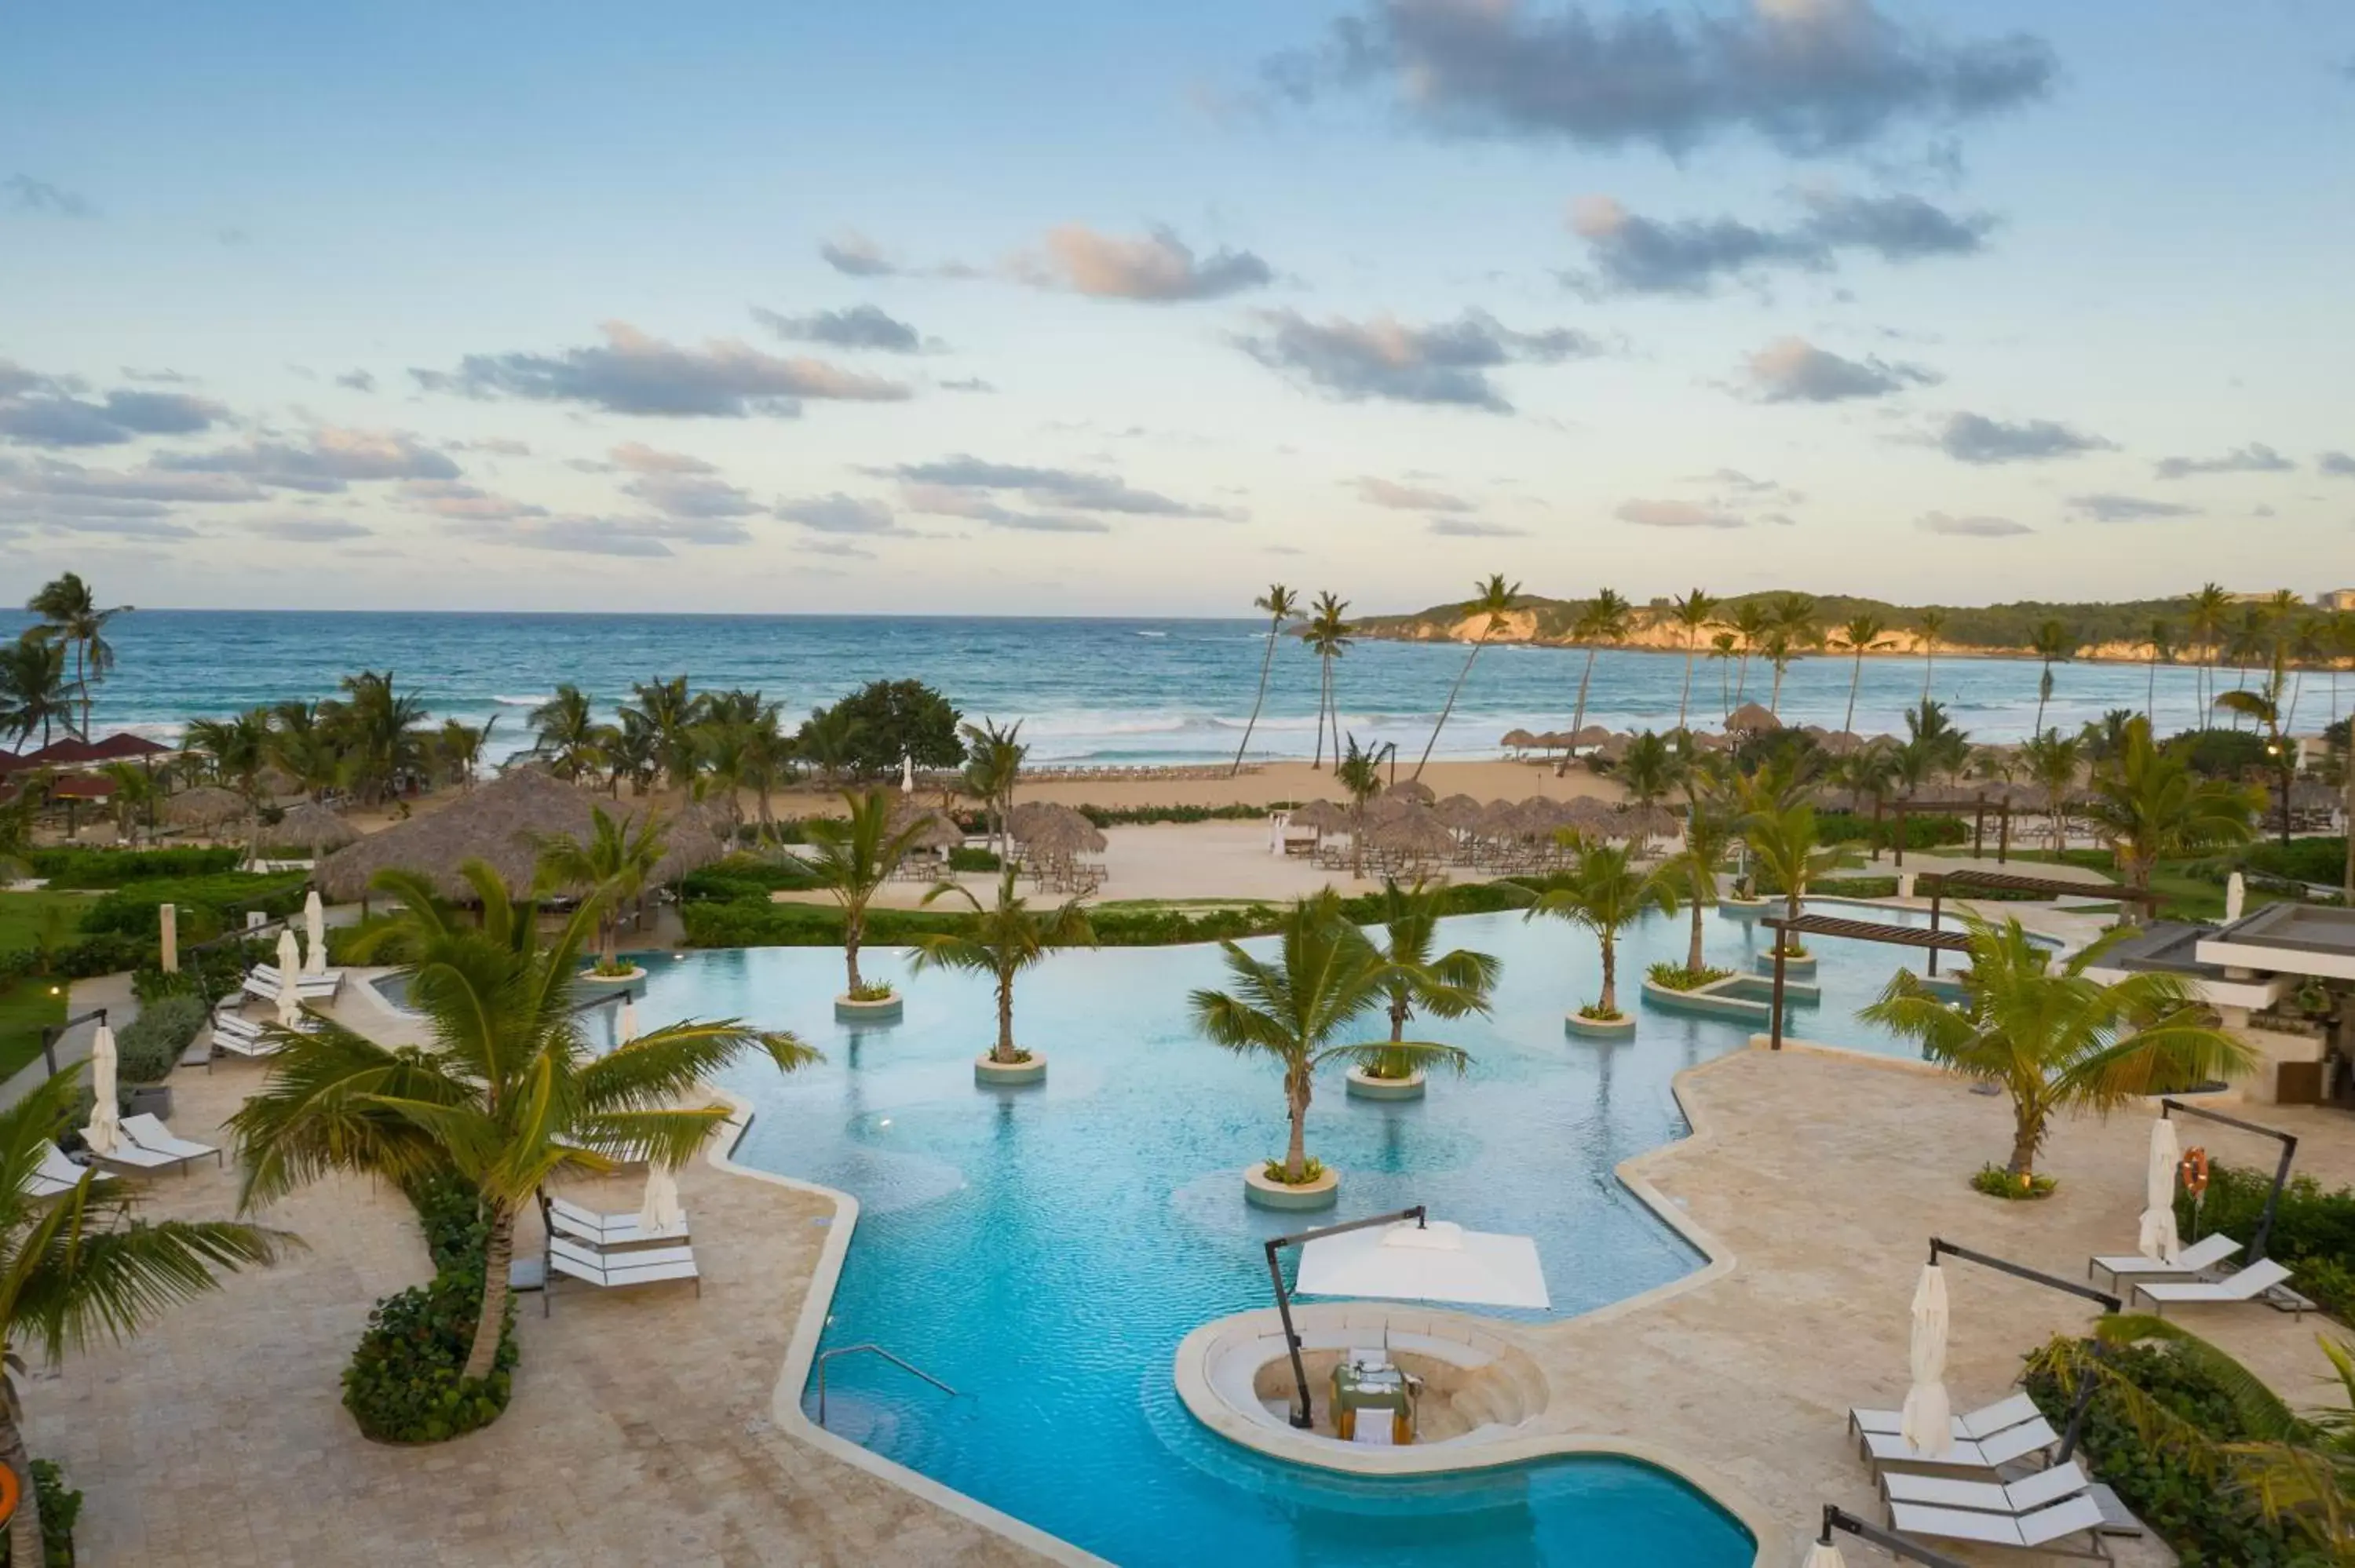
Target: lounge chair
<point>605,1231</point>
<point>241,1037</point>
<point>262,982</point>
<point>152,1135</point>
<point>2029,1531</point>
<point>2198,1258</point>
<point>132,1155</point>
<point>55,1175</point>
<point>2026,1495</point>
<point>2244,1284</point>
<point>1990,1453</point>
<point>1984,1421</point>
<point>612,1270</point>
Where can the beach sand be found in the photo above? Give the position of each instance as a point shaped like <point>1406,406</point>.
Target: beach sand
<point>1270,783</point>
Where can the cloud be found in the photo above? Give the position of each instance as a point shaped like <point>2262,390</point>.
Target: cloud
<point>497,446</point>
<point>853,253</point>
<point>53,478</point>
<point>1443,363</point>
<point>690,495</point>
<point>840,514</point>
<point>1676,515</point>
<point>980,507</point>
<point>2111,508</point>
<point>309,530</point>
<point>860,326</point>
<point>456,499</point>
<point>1970,528</point>
<point>1472,528</point>
<point>2255,458</point>
<point>1057,486</point>
<point>1793,370</point>
<point>633,373</point>
<point>639,458</point>
<point>1408,497</point>
<point>1759,489</point>
<point>358,380</point>
<point>26,194</point>
<point>2340,465</point>
<point>333,459</point>
<point>1975,439</point>
<point>1809,77</point>
<point>1632,254</point>
<point>38,411</point>
<point>1157,267</point>
<point>628,537</point>
<point>967,384</point>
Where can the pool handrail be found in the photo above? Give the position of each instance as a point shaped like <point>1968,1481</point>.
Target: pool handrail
<point>825,1356</point>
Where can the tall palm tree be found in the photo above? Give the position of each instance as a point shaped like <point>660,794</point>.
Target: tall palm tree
<point>2264,707</point>
<point>1454,984</point>
<point>611,867</point>
<point>1724,648</point>
<point>1325,977</point>
<point>1932,624</point>
<point>1359,772</point>
<point>460,746</point>
<point>376,723</point>
<point>1785,843</point>
<point>1490,602</point>
<point>2148,805</point>
<point>1862,634</point>
<point>1694,611</point>
<point>1604,893</point>
<point>1279,604</point>
<point>2055,1039</point>
<point>135,797</point>
<point>74,618</point>
<point>1752,621</point>
<point>722,747</point>
<point>1650,769</point>
<point>81,1267</point>
<point>1603,619</point>
<point>1692,870</point>
<point>564,733</point>
<point>828,739</point>
<point>2204,613</point>
<point>1001,941</point>
<point>505,1092</point>
<point>853,856</point>
<point>2053,761</point>
<point>2161,636</point>
<point>1328,637</point>
<point>768,755</point>
<point>993,766</point>
<point>33,693</point>
<point>2053,642</point>
<point>670,713</point>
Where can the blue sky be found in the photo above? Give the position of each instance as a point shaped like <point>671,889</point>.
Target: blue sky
<point>1088,308</point>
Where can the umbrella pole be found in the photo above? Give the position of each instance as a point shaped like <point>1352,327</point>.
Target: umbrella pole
<point>1304,1418</point>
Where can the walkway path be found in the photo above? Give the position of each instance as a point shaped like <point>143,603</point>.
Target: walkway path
<point>112,992</point>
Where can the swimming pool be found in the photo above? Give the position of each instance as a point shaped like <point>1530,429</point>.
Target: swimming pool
<point>1044,1250</point>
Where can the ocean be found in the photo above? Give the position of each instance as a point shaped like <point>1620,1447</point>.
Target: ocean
<point>1108,691</point>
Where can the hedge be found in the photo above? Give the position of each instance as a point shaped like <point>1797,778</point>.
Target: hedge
<point>2322,861</point>
<point>112,868</point>
<point>149,1046</point>
<point>2313,1232</point>
<point>207,903</point>
<point>402,1385</point>
<point>1921,832</point>
<point>106,953</point>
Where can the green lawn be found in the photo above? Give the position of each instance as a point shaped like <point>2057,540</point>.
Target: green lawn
<point>27,1007</point>
<point>22,914</point>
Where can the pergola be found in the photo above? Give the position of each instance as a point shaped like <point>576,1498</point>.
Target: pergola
<point>1941,884</point>
<point>1934,942</point>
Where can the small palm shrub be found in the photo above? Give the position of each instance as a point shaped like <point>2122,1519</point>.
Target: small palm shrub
<point>404,1383</point>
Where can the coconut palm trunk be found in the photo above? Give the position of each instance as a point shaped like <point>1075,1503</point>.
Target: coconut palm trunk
<point>1477,643</point>
<point>1684,698</point>
<point>1266,663</point>
<point>1695,962</point>
<point>1006,1049</point>
<point>1610,972</point>
<point>854,931</point>
<point>1297,1096</point>
<point>25,1529</point>
<point>498,1251</point>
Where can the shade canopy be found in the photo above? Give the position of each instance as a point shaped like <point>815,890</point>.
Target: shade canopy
<point>310,829</point>
<point>207,806</point>
<point>1438,1262</point>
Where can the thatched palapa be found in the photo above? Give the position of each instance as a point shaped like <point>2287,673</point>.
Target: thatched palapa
<point>206,807</point>
<point>1320,816</point>
<point>309,829</point>
<point>1751,719</point>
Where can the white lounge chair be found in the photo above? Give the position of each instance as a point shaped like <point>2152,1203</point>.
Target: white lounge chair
<point>2026,1495</point>
<point>2243,1285</point>
<point>2036,1531</point>
<point>262,982</point>
<point>605,1231</point>
<point>132,1155</point>
<point>1984,1421</point>
<point>2198,1258</point>
<point>240,1036</point>
<point>152,1135</point>
<point>612,1270</point>
<point>55,1175</point>
<point>1990,1453</point>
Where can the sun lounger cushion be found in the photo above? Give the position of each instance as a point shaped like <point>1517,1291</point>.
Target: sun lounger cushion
<point>2206,1253</point>
<point>2000,1448</point>
<point>2038,1529</point>
<point>2029,1492</point>
<point>1984,1421</point>
<point>2243,1285</point>
<point>56,1174</point>
<point>614,1269</point>
<point>607,1229</point>
<point>151,1134</point>
<point>128,1153</point>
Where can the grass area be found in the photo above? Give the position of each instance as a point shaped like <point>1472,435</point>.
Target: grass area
<point>21,915</point>
<point>2188,897</point>
<point>26,1009</point>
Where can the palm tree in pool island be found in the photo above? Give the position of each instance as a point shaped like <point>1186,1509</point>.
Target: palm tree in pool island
<point>1784,842</point>
<point>1708,839</point>
<point>2054,1038</point>
<point>1490,603</point>
<point>1863,634</point>
<point>1696,612</point>
<point>1279,604</point>
<point>1000,940</point>
<point>1604,892</point>
<point>1292,1009</point>
<point>1455,984</point>
<point>853,857</point>
<point>505,1092</point>
<point>1328,637</point>
<point>1603,619</point>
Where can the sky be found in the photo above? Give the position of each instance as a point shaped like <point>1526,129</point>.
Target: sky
<point>1112,309</point>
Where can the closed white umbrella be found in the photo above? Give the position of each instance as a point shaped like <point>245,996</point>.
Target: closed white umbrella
<point>290,977</point>
<point>2158,1237</point>
<point>1927,1421</point>
<point>1824,1554</point>
<point>105,1129</point>
<point>907,773</point>
<point>660,1209</point>
<point>627,1029</point>
<point>314,932</point>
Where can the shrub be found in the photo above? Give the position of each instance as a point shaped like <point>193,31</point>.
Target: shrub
<point>149,1046</point>
<point>207,903</point>
<point>1675,977</point>
<point>210,974</point>
<point>1138,816</point>
<point>2322,861</point>
<point>1997,1182</point>
<point>963,859</point>
<point>112,868</point>
<point>2222,752</point>
<point>871,991</point>
<point>1311,1170</point>
<point>2313,1231</point>
<point>60,1507</point>
<point>402,1385</point>
<point>1921,833</point>
<point>745,877</point>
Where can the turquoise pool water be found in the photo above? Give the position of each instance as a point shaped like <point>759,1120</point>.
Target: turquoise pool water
<point>1044,1250</point>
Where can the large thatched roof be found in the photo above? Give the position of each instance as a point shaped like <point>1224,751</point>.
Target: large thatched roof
<point>499,823</point>
<point>1751,719</point>
<point>1320,816</point>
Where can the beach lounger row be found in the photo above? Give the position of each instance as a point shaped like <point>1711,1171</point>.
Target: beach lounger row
<point>240,1036</point>
<point>1989,1453</point>
<point>2265,1279</point>
<point>2041,1530</point>
<point>2188,1262</point>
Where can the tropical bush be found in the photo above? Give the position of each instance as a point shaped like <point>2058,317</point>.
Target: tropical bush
<point>1921,833</point>
<point>2313,1230</point>
<point>1675,977</point>
<point>104,954</point>
<point>403,1384</point>
<point>2320,861</point>
<point>207,903</point>
<point>1144,816</point>
<point>745,877</point>
<point>884,721</point>
<point>148,1047</point>
<point>2222,752</point>
<point>963,859</point>
<point>60,1507</point>
<point>113,868</point>
<point>1997,1183</point>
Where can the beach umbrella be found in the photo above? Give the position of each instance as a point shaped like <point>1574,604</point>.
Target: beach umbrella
<point>626,1029</point>
<point>1519,739</point>
<point>1927,1421</point>
<point>1824,1554</point>
<point>2159,1238</point>
<point>1415,832</point>
<point>1592,735</point>
<point>1413,790</point>
<point>310,829</point>
<point>659,1210</point>
<point>105,1129</point>
<point>290,979</point>
<point>204,808</point>
<point>314,932</point>
<point>1320,816</point>
<point>1439,1261</point>
<point>907,773</point>
<point>1461,813</point>
<point>1751,719</point>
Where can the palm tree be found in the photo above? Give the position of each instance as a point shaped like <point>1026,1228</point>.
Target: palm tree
<point>854,857</point>
<point>461,747</point>
<point>1694,611</point>
<point>1325,977</point>
<point>1358,772</point>
<point>1783,841</point>
<point>1604,892</point>
<point>2281,750</point>
<point>2055,1039</point>
<point>503,1093</point>
<point>1692,870</point>
<point>1328,637</point>
<point>1752,621</point>
<point>1650,769</point>
<point>2051,642</point>
<point>1603,619</point>
<point>135,797</point>
<point>73,617</point>
<point>307,748</point>
<point>17,816</point>
<point>828,738</point>
<point>1932,625</point>
<point>614,864</point>
<point>1279,604</point>
<point>722,747</point>
<point>564,733</point>
<point>1794,629</point>
<point>2054,761</point>
<point>1455,984</point>
<point>376,728</point>
<point>992,766</point>
<point>1863,634</point>
<point>1491,601</point>
<point>33,690</point>
<point>767,757</point>
<point>80,1267</point>
<point>1001,941</point>
<point>2161,636</point>
<point>1724,648</point>
<point>2203,617</point>
<point>670,713</point>
<point>2148,806</point>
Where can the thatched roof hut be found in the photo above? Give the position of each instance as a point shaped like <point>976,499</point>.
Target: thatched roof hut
<point>1592,735</point>
<point>1519,739</point>
<point>1416,831</point>
<point>310,829</point>
<point>501,824</point>
<point>1461,813</point>
<point>1751,719</point>
<point>1413,790</point>
<point>1320,816</point>
<point>1498,820</point>
<point>206,807</point>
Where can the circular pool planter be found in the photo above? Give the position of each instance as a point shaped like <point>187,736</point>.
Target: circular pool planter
<point>1733,908</point>
<point>1363,1086</point>
<point>994,1074</point>
<point>1261,1193</point>
<point>1799,965</point>
<point>1620,1028</point>
<point>883,1009</point>
<point>590,977</point>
